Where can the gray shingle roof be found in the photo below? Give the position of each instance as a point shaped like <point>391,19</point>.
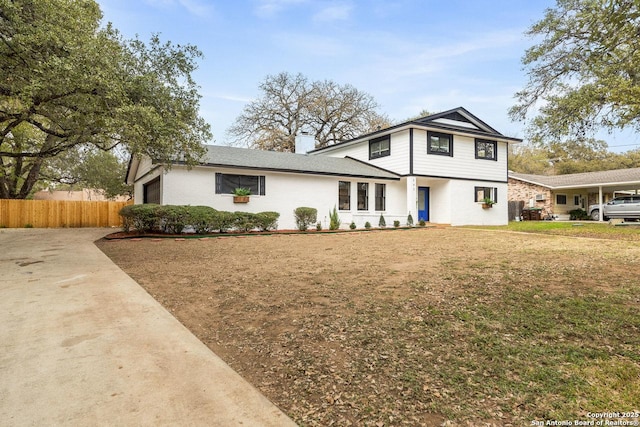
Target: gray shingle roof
<point>616,176</point>
<point>244,158</point>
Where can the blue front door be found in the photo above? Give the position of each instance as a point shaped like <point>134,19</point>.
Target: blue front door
<point>423,203</point>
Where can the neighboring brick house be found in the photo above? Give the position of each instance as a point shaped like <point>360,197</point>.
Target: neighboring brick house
<point>557,195</point>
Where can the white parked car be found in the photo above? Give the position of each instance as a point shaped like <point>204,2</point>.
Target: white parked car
<point>626,207</point>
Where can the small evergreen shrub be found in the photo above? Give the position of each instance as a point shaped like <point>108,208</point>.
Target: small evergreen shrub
<point>352,225</point>
<point>396,223</point>
<point>266,221</point>
<point>422,223</point>
<point>578,214</point>
<point>244,221</point>
<point>381,222</point>
<point>304,217</point>
<point>319,226</point>
<point>202,219</point>
<point>224,221</point>
<point>173,219</point>
<point>367,225</point>
<point>334,219</point>
<point>143,218</point>
<point>409,220</point>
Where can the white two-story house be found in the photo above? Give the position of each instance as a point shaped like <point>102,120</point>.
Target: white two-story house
<point>438,168</point>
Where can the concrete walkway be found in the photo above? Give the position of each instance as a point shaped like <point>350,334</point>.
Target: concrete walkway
<point>82,344</point>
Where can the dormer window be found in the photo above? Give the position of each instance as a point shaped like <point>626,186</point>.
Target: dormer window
<point>440,143</point>
<point>379,147</point>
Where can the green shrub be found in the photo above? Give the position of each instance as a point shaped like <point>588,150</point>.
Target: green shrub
<point>244,221</point>
<point>396,223</point>
<point>409,220</point>
<point>381,222</point>
<point>334,219</point>
<point>319,226</point>
<point>266,221</point>
<point>422,223</point>
<point>143,218</point>
<point>202,218</point>
<point>367,225</point>
<point>172,218</point>
<point>223,221</point>
<point>578,214</point>
<point>28,225</point>
<point>352,225</point>
<point>241,191</point>
<point>304,217</point>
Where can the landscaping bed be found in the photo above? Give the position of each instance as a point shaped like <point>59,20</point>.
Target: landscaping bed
<point>419,327</point>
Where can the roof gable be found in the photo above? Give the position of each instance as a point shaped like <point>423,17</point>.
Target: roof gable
<point>457,118</point>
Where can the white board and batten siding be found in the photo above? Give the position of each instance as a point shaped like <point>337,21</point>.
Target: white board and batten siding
<point>462,164</point>
<point>397,161</point>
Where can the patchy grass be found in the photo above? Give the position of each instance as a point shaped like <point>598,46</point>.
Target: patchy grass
<point>419,327</point>
<point>574,229</point>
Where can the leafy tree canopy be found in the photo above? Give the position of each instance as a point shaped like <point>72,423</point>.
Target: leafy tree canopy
<point>66,83</point>
<point>584,74</point>
<point>569,157</point>
<point>291,104</point>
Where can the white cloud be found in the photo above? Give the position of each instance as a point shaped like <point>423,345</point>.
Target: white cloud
<point>336,12</point>
<point>270,8</point>
<point>312,45</point>
<point>194,7</point>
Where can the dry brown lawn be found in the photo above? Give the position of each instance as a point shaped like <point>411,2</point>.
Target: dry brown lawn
<point>410,327</point>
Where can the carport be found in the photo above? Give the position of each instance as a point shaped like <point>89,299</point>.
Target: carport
<point>544,190</point>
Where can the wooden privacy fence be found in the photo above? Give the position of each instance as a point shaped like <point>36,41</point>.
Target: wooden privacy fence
<point>59,213</point>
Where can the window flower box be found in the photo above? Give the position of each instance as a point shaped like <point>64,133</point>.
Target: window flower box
<point>241,195</point>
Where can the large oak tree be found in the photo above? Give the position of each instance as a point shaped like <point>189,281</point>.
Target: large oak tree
<point>68,83</point>
<point>584,73</point>
<point>291,104</point>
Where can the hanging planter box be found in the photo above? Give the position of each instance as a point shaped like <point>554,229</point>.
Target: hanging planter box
<point>486,206</point>
<point>240,199</point>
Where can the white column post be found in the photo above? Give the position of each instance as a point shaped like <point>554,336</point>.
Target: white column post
<point>601,210</point>
<point>412,197</point>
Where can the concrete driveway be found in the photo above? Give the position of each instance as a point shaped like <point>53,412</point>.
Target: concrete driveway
<point>81,343</point>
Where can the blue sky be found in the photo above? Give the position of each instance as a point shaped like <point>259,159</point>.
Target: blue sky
<point>409,55</point>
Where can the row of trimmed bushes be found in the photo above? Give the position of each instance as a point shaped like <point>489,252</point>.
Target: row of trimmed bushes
<point>203,219</point>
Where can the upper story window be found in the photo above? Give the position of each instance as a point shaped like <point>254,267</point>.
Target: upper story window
<point>486,149</point>
<point>440,143</point>
<point>380,147</point>
<point>226,183</point>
